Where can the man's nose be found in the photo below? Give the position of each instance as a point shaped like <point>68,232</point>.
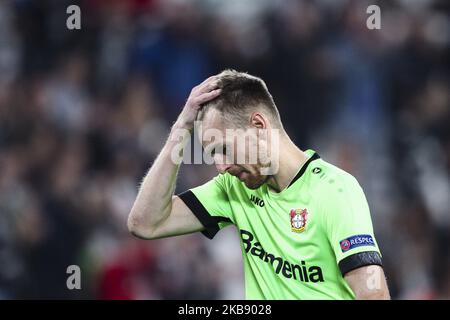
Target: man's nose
<point>221,164</point>
<point>222,167</point>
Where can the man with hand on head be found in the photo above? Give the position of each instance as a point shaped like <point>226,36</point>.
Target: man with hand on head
<point>305,226</point>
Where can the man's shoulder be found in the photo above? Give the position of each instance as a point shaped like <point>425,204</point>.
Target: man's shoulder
<point>331,178</point>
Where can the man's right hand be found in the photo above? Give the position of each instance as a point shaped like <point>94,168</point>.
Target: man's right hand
<point>204,92</point>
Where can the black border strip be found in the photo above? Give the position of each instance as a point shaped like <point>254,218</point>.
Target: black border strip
<point>210,223</point>
<point>220,309</point>
<point>315,156</point>
<point>358,260</point>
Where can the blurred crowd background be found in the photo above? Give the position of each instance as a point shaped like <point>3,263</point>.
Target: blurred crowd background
<point>83,113</point>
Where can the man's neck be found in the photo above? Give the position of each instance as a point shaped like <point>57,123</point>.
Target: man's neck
<point>290,163</point>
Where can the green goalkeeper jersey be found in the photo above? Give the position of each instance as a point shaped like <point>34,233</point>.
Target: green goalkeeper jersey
<point>298,243</point>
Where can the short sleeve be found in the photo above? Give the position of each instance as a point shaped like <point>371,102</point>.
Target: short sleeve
<point>348,225</point>
<point>209,203</point>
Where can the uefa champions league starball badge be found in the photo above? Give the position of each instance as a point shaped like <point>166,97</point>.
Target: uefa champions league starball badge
<point>298,219</point>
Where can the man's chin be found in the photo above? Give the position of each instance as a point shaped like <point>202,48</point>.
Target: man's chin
<point>253,185</point>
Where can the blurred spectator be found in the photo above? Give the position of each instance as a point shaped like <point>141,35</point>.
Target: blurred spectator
<point>84,113</point>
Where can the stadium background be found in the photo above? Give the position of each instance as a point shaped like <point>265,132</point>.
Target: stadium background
<point>84,113</point>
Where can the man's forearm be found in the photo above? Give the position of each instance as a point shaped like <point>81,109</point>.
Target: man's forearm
<point>153,204</point>
<point>154,200</point>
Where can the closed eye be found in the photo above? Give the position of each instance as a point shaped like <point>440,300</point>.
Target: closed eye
<point>221,149</point>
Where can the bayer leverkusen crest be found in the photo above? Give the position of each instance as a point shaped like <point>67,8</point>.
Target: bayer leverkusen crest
<point>298,220</point>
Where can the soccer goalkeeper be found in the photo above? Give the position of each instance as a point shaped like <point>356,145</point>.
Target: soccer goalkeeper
<point>305,227</point>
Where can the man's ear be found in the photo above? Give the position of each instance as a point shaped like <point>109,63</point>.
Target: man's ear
<point>258,120</point>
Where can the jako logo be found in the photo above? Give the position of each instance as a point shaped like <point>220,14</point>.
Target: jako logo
<point>257,201</point>
<point>356,241</point>
<point>302,271</point>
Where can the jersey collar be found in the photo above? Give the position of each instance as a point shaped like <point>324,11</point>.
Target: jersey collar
<point>313,157</point>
